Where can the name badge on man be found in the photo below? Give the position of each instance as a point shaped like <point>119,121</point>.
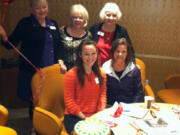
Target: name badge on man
<point>100,33</point>
<point>52,27</point>
<point>96,80</point>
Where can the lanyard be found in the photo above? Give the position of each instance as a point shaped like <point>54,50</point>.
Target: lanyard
<point>36,96</point>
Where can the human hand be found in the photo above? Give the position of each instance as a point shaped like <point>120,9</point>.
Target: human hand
<point>63,67</point>
<point>81,116</point>
<point>3,33</point>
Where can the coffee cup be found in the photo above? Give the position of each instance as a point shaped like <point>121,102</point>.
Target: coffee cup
<point>148,101</point>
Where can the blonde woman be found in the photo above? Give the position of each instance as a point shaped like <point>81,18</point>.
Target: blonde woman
<point>72,35</point>
<point>38,37</point>
<point>108,30</point>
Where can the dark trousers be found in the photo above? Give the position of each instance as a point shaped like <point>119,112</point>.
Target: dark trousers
<point>31,109</point>
<point>69,122</point>
<point>24,90</point>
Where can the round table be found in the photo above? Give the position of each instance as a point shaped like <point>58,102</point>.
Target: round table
<point>124,125</point>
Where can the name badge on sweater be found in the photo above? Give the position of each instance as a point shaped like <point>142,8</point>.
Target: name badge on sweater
<point>100,33</point>
<point>96,80</point>
<point>52,27</point>
<point>69,38</point>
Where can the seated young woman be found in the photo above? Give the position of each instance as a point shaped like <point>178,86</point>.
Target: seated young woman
<point>84,86</point>
<point>123,76</point>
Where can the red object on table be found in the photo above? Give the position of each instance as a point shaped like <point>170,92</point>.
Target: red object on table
<point>118,111</point>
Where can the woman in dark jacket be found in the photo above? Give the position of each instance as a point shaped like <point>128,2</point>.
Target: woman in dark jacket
<point>39,39</point>
<point>106,32</point>
<point>123,76</point>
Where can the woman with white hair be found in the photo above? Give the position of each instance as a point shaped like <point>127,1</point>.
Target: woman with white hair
<point>106,32</point>
<point>72,35</point>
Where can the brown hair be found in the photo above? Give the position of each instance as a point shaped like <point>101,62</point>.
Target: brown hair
<point>80,67</point>
<point>118,42</point>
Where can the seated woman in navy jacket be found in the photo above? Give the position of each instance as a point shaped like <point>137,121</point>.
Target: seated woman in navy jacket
<point>123,76</point>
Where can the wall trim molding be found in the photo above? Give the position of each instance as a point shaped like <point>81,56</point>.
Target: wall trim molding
<point>157,57</point>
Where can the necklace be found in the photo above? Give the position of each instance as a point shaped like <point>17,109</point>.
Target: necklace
<point>89,77</point>
<point>77,33</point>
<point>108,36</point>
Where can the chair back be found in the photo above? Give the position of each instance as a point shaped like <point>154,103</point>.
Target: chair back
<point>172,81</point>
<point>51,97</point>
<point>3,115</point>
<point>147,88</point>
<point>142,68</point>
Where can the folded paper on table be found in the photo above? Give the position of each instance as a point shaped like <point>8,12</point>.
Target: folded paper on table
<point>134,111</point>
<point>116,110</point>
<point>159,126</point>
<point>176,109</point>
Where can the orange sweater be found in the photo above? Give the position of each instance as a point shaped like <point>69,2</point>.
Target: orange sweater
<point>89,99</point>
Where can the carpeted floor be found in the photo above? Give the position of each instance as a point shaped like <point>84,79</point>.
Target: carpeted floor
<point>19,121</point>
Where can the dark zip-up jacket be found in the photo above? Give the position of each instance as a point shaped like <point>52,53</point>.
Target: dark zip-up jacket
<point>32,40</point>
<point>128,88</point>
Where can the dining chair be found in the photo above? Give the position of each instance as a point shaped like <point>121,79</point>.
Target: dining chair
<point>172,81</point>
<point>171,93</point>
<point>4,130</point>
<point>48,113</point>
<point>3,115</point>
<point>147,88</point>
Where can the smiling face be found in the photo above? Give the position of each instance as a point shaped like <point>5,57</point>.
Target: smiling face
<point>120,54</point>
<point>89,55</point>
<point>40,10</point>
<point>110,17</point>
<point>77,20</point>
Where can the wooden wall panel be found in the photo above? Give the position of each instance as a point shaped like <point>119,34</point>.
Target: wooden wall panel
<point>153,26</point>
